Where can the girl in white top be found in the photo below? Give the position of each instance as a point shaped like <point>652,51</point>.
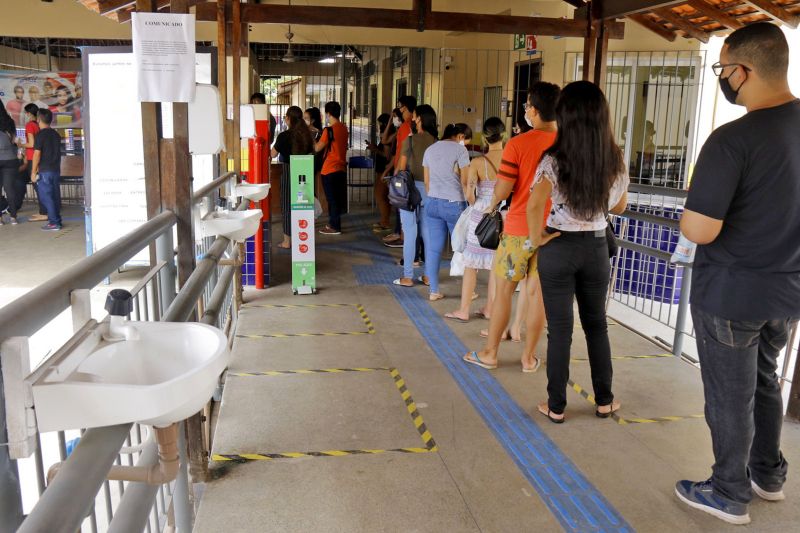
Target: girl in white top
<point>584,174</point>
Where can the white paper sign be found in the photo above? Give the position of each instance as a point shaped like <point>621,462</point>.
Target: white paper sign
<point>163,51</point>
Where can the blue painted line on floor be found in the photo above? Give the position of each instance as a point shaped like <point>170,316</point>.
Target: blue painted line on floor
<point>573,500</point>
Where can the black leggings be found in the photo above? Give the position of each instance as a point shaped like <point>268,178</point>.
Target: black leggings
<point>575,266</point>
<point>9,177</point>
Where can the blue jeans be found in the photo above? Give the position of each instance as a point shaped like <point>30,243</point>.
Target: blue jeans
<point>49,188</point>
<point>744,406</point>
<point>412,222</point>
<point>440,220</point>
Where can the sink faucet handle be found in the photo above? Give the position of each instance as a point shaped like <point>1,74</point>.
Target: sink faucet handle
<point>119,302</point>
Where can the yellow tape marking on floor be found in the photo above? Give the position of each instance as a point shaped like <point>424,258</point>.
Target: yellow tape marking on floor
<point>622,421</point>
<point>623,357</point>
<point>411,406</point>
<point>270,373</point>
<point>360,308</point>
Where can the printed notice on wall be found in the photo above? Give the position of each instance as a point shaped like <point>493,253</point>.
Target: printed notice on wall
<point>163,50</point>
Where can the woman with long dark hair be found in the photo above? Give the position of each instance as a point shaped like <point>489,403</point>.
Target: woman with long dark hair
<point>584,174</point>
<point>296,140</point>
<point>424,133</point>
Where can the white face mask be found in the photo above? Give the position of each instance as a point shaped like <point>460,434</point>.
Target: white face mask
<point>461,142</point>
<point>528,121</point>
<point>308,121</point>
<point>396,122</point>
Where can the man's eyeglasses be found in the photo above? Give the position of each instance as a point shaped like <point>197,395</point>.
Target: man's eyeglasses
<point>718,68</point>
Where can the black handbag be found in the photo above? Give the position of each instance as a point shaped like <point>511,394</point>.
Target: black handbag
<point>489,229</point>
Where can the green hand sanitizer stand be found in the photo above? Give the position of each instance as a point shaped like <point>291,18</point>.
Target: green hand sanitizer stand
<point>304,277</point>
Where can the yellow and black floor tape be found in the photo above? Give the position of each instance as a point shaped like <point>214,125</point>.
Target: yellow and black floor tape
<point>623,421</point>
<point>429,445</point>
<point>293,306</point>
<point>314,371</point>
<point>623,357</point>
<point>360,308</point>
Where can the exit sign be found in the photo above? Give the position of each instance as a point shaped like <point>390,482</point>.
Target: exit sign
<point>519,41</point>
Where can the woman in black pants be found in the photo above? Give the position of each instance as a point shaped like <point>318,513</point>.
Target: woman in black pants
<point>297,140</point>
<point>9,164</point>
<point>584,174</point>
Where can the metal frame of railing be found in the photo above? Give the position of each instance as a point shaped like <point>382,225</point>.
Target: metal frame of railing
<point>70,499</point>
<point>649,257</point>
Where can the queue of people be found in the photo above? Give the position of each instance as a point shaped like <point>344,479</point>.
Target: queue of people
<point>36,158</point>
<point>560,180</point>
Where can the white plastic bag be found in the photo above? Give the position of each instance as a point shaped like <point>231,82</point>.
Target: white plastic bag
<point>457,264</point>
<point>458,240</point>
<point>317,209</point>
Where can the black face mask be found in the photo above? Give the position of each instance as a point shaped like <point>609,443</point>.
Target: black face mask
<point>728,91</point>
<point>414,127</point>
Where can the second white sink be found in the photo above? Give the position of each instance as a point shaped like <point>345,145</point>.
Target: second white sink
<point>235,225</point>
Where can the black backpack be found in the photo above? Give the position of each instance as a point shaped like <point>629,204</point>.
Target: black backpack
<point>403,193</point>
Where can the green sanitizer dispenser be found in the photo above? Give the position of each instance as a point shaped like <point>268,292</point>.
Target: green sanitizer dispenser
<point>304,277</point>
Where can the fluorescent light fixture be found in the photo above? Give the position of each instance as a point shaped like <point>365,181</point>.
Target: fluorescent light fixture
<point>327,60</point>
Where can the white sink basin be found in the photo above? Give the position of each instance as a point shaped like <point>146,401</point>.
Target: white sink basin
<point>252,191</point>
<point>235,225</point>
<point>166,375</point>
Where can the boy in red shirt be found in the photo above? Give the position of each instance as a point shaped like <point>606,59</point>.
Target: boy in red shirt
<point>334,169</point>
<point>516,258</point>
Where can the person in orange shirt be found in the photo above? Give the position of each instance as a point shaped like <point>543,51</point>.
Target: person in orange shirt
<point>407,104</point>
<point>516,257</point>
<point>334,169</point>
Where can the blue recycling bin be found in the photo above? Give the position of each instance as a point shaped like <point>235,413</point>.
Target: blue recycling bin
<point>644,276</point>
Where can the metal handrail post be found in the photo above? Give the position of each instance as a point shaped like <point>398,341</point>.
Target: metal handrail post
<point>70,496</point>
<point>180,498</point>
<point>165,251</point>
<point>10,493</point>
<point>683,311</point>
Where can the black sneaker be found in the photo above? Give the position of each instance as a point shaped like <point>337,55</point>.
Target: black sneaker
<point>769,495</point>
<point>700,495</point>
<point>51,227</point>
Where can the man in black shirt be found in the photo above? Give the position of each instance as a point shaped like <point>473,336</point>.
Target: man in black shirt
<point>46,169</point>
<point>744,213</point>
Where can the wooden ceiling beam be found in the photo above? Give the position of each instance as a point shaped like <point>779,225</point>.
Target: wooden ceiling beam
<point>683,25</point>
<point>104,7</point>
<point>714,13</point>
<point>611,9</point>
<point>407,19</point>
<point>775,12</point>
<point>653,26</point>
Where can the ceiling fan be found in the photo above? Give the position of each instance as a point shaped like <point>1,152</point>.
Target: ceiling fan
<point>289,57</point>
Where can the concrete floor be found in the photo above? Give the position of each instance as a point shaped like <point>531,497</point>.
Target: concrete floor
<point>334,446</point>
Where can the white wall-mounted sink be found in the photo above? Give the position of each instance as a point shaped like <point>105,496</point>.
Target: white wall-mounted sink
<point>235,225</point>
<point>165,373</point>
<point>252,191</point>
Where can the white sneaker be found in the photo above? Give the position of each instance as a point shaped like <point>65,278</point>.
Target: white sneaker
<point>767,495</point>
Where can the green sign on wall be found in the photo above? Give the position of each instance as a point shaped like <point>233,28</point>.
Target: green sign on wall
<point>519,41</point>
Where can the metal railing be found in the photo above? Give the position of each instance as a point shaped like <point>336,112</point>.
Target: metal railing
<point>652,294</point>
<point>80,496</point>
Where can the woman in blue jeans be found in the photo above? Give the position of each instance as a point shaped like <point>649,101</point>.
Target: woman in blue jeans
<point>584,174</point>
<point>446,166</point>
<point>424,133</point>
